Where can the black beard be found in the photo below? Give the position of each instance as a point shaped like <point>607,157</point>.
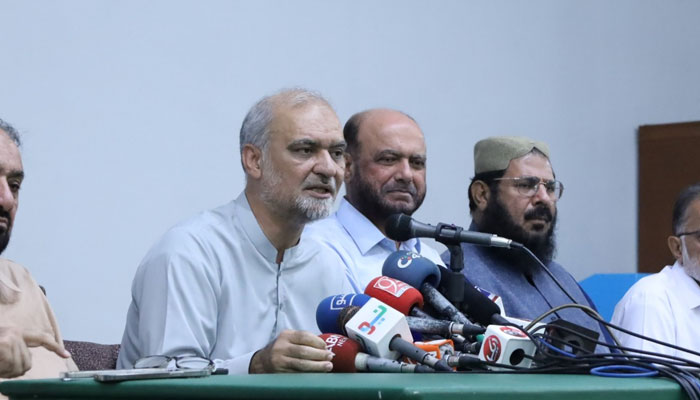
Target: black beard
<point>497,220</point>
<point>5,233</point>
<point>4,240</point>
<point>371,204</point>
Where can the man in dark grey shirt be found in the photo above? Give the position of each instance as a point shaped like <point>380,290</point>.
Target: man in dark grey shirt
<point>514,194</point>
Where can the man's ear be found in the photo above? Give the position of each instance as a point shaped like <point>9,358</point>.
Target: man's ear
<point>481,193</point>
<point>251,157</point>
<point>348,167</point>
<point>674,244</point>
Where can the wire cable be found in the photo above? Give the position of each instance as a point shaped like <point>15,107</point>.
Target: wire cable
<point>588,310</point>
<point>624,371</point>
<point>544,267</point>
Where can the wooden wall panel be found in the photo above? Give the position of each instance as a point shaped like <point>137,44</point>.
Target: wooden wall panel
<point>669,160</point>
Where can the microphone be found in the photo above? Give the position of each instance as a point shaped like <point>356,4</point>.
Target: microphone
<point>439,348</point>
<point>469,347</point>
<point>421,273</point>
<point>480,308</point>
<point>483,307</point>
<point>399,295</point>
<point>422,325</point>
<point>445,350</point>
<point>407,300</point>
<point>464,361</point>
<point>506,345</point>
<point>401,227</point>
<point>493,297</point>
<point>443,328</point>
<point>463,345</point>
<point>349,358</point>
<point>329,309</point>
<point>384,332</point>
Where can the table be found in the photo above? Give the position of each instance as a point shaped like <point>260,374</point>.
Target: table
<point>355,387</point>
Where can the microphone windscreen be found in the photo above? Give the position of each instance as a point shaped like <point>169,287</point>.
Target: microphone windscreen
<point>329,308</point>
<point>345,351</point>
<point>397,294</point>
<point>481,309</point>
<point>411,268</point>
<point>398,227</point>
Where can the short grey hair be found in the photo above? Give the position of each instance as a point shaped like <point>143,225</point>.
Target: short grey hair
<point>10,131</point>
<point>255,129</point>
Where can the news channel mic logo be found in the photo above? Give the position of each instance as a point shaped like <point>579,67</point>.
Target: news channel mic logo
<point>340,301</point>
<point>492,348</point>
<point>369,327</point>
<point>512,331</point>
<point>335,340</point>
<point>406,259</point>
<point>392,286</point>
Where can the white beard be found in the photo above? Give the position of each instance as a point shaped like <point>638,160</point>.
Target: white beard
<point>691,265</point>
<point>313,208</point>
<point>308,208</point>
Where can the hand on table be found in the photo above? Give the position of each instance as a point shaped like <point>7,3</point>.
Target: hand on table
<point>293,351</point>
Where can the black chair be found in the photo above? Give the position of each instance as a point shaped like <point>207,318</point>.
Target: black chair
<point>91,356</point>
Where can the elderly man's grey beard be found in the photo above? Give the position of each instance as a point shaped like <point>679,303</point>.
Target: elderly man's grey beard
<point>304,207</point>
<point>314,209</point>
<point>691,265</point>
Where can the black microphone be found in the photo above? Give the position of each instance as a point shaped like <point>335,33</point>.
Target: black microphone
<point>401,227</point>
<point>480,308</point>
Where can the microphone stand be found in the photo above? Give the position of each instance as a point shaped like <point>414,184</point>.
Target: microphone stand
<point>452,280</point>
<point>453,283</point>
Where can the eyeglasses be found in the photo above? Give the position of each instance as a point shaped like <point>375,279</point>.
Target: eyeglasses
<point>692,233</point>
<point>181,362</point>
<point>528,186</point>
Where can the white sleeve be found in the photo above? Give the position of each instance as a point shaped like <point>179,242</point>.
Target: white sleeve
<point>175,306</point>
<point>237,365</point>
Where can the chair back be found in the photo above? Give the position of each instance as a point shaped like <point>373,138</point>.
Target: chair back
<point>606,290</point>
<point>92,356</point>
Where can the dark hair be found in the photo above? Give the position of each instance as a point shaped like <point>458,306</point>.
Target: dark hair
<point>487,178</point>
<point>350,131</point>
<point>11,132</point>
<point>680,208</point>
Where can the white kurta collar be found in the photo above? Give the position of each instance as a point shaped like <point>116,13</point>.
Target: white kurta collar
<point>689,290</point>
